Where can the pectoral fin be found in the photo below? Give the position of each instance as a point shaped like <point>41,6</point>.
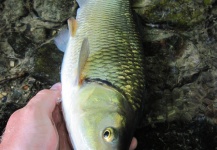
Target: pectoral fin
<point>83,56</point>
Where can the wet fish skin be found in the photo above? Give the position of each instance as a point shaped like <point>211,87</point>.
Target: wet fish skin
<point>116,54</point>
<point>102,98</point>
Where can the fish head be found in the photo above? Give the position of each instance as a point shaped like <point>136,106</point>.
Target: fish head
<point>103,120</point>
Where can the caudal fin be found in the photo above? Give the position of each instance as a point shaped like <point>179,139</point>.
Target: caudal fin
<point>61,40</point>
<point>81,2</point>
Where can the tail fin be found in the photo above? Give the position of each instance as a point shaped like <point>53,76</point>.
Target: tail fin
<point>81,2</point>
<point>61,40</point>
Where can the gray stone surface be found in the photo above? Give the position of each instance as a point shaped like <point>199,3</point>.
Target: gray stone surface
<point>11,11</point>
<point>29,61</point>
<point>179,13</point>
<point>47,9</point>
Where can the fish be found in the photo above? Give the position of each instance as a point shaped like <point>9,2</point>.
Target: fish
<point>102,75</point>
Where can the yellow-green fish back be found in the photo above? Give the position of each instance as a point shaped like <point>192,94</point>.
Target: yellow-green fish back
<point>116,55</point>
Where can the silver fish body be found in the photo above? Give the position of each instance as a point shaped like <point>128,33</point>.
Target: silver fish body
<point>102,76</point>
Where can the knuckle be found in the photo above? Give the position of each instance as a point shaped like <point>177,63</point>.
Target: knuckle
<point>17,114</point>
<point>38,97</point>
<point>43,92</point>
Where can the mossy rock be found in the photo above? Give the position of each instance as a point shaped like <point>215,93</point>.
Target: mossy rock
<point>179,13</point>
<point>48,60</point>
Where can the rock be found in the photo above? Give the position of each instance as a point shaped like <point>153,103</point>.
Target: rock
<point>47,63</point>
<point>179,66</point>
<point>4,93</point>
<point>180,13</point>
<point>4,99</point>
<point>12,63</point>
<point>155,34</point>
<point>16,95</point>
<point>188,135</point>
<point>55,10</point>
<point>12,10</point>
<point>3,66</point>
<point>39,34</point>
<point>20,43</point>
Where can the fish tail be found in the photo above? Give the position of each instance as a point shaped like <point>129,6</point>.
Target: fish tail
<point>81,3</point>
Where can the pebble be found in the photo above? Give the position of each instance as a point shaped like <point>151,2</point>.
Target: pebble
<point>1,96</point>
<point>4,99</point>
<point>12,63</point>
<point>25,87</point>
<point>4,93</point>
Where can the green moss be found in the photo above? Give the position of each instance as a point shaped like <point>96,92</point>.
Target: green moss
<point>207,2</point>
<point>181,13</point>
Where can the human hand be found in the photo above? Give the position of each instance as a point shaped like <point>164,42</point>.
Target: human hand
<point>40,125</point>
<point>133,144</point>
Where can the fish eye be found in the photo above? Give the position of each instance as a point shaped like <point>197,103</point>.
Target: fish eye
<point>109,134</point>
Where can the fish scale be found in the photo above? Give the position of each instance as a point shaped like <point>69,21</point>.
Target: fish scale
<point>114,47</point>
<point>106,93</point>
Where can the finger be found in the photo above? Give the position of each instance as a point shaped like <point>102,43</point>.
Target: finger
<point>133,144</point>
<point>57,86</point>
<point>45,100</point>
<point>12,123</point>
<point>64,142</point>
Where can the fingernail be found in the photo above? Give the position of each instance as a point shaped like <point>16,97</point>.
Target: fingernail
<point>56,86</point>
<point>59,100</point>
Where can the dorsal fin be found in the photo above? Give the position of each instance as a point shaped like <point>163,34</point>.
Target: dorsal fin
<point>81,2</point>
<point>83,56</point>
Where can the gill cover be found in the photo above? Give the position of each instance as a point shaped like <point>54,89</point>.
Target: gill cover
<point>103,119</point>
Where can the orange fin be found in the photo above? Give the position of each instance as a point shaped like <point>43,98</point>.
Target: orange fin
<point>72,25</point>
